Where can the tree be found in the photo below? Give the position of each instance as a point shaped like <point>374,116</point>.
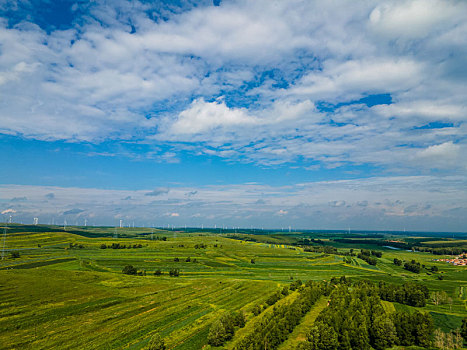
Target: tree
<point>174,272</point>
<point>158,272</point>
<point>239,319</point>
<point>129,270</point>
<point>384,333</point>
<point>464,328</point>
<point>156,343</point>
<point>14,255</point>
<point>217,334</point>
<point>256,310</point>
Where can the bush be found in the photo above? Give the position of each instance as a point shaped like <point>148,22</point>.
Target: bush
<point>157,272</point>
<point>129,270</point>
<point>273,298</point>
<point>156,343</point>
<point>174,272</point>
<point>256,310</point>
<point>14,255</point>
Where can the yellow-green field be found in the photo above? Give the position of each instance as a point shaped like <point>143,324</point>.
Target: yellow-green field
<point>58,295</point>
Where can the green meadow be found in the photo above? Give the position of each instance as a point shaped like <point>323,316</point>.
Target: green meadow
<point>65,291</point>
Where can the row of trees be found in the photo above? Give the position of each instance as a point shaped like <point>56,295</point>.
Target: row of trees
<point>410,293</point>
<point>276,326</point>
<point>224,328</point>
<point>366,256</point>
<point>444,251</point>
<point>120,246</point>
<point>413,266</point>
<point>355,319</point>
<point>448,341</point>
<point>327,249</point>
<point>131,270</point>
<point>186,260</point>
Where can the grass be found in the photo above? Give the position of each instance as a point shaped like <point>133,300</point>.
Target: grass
<point>299,333</point>
<point>54,296</point>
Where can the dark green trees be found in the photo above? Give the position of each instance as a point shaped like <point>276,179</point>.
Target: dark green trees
<point>217,334</point>
<point>174,272</point>
<point>224,328</point>
<point>276,326</point>
<point>355,319</point>
<point>464,328</point>
<point>413,266</point>
<point>129,270</point>
<point>411,293</point>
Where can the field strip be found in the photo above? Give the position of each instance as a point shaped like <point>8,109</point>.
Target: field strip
<point>30,265</point>
<point>300,332</point>
<point>363,268</point>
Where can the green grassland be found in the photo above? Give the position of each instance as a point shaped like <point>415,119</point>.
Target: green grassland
<point>65,291</point>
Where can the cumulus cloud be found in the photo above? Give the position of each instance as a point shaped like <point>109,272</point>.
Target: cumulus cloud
<point>244,80</point>
<point>202,116</point>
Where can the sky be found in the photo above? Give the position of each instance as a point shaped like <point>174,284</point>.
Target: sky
<point>268,114</point>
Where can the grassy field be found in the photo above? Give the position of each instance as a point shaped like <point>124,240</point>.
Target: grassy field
<point>65,291</point>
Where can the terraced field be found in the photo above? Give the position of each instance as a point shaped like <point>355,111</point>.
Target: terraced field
<point>65,291</point>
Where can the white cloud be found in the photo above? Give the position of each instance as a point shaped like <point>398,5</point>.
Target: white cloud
<point>203,116</point>
<point>414,19</point>
<point>413,202</point>
<point>444,150</point>
<point>273,62</point>
<point>353,79</point>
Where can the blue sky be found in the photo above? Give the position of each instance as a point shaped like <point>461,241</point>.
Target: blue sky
<point>313,114</point>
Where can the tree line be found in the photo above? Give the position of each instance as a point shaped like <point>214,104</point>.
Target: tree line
<point>275,327</point>
<point>120,246</point>
<point>355,319</point>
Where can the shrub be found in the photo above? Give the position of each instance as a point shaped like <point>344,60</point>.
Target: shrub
<point>129,270</point>
<point>156,343</point>
<point>174,272</point>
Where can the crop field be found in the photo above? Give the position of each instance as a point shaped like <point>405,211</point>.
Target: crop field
<point>66,289</point>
